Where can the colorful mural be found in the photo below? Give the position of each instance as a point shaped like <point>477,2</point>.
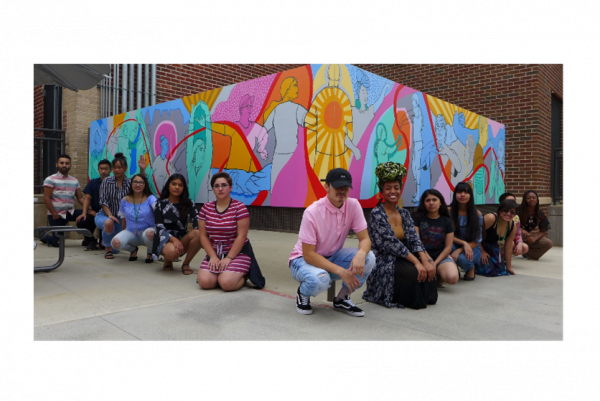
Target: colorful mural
<point>279,135</point>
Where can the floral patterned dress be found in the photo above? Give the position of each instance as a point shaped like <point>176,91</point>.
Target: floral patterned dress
<point>387,249</point>
<point>169,223</point>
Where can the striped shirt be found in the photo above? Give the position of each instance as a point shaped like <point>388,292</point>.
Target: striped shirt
<point>222,230</point>
<point>221,227</point>
<point>111,195</point>
<point>63,193</point>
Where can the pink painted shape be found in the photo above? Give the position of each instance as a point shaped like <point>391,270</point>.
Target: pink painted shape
<point>169,130</point>
<point>442,186</point>
<point>291,185</point>
<point>229,110</point>
<point>406,91</point>
<point>496,127</point>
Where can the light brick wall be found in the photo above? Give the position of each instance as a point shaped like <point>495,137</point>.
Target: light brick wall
<point>79,109</point>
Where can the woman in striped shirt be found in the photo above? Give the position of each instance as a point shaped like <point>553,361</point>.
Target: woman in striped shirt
<point>223,227</point>
<point>112,190</point>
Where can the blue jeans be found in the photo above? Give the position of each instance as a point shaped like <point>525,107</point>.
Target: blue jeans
<point>314,280</point>
<point>462,261</point>
<point>107,238</point>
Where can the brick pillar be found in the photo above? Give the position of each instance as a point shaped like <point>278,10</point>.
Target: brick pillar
<point>80,109</point>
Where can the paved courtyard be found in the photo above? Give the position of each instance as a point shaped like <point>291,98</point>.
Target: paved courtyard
<point>90,298</point>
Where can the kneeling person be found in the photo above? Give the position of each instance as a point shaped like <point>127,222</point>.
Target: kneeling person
<point>319,257</point>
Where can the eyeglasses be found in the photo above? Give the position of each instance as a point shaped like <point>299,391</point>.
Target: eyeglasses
<point>221,186</point>
<point>138,182</point>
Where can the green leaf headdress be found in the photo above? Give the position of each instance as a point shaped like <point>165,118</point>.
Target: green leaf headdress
<point>390,172</point>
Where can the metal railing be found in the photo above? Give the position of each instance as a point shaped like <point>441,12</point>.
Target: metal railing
<point>40,153</point>
<point>557,176</point>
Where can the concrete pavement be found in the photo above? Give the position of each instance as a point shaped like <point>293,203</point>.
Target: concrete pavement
<point>90,298</point>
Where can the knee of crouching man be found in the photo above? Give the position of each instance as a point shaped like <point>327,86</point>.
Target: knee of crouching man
<point>370,262</point>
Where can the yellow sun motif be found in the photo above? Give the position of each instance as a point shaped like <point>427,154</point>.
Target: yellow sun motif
<point>330,116</point>
<point>448,109</point>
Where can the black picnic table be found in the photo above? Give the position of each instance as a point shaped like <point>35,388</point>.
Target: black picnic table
<point>59,231</point>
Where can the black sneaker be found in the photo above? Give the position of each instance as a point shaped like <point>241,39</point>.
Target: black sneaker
<point>303,303</point>
<point>346,305</point>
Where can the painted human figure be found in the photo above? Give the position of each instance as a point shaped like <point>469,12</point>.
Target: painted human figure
<point>449,148</point>
<point>283,117</point>
<point>424,150</point>
<point>199,152</point>
<point>479,178</point>
<point>159,165</point>
<point>256,134</point>
<point>95,154</point>
<point>362,112</point>
<point>383,151</point>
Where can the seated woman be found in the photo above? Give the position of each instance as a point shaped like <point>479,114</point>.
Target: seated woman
<point>224,227</point>
<point>137,217</point>
<point>435,229</point>
<point>399,279</point>
<point>500,232</point>
<point>467,221</point>
<point>519,247</point>
<point>173,211</point>
<point>532,217</point>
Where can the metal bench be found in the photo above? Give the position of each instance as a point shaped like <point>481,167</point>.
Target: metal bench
<point>59,231</point>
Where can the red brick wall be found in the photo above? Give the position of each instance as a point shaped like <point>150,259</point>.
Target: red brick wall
<point>174,81</point>
<point>518,96</point>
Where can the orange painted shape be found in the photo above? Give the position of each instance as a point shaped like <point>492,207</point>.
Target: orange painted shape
<point>221,148</point>
<point>333,115</point>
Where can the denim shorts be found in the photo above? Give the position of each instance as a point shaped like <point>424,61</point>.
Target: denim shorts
<point>446,259</point>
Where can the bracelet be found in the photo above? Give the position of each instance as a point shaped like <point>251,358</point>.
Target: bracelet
<point>431,260</point>
<point>227,256</point>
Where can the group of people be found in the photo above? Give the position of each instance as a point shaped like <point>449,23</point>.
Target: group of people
<point>403,259</point>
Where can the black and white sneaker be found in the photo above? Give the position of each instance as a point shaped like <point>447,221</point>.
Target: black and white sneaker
<point>303,303</point>
<point>346,305</point>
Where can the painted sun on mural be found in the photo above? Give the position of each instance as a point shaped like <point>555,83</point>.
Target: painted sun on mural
<point>278,136</point>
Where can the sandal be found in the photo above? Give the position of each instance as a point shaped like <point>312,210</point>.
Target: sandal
<point>149,259</point>
<point>168,267</point>
<point>108,255</point>
<point>133,258</point>
<point>186,271</point>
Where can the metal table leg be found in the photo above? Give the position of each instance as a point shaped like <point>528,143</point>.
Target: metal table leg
<point>61,257</point>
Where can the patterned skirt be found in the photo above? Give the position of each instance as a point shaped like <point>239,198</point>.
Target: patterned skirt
<point>495,266</point>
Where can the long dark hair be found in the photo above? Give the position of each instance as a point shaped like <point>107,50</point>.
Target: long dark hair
<point>146,186</point>
<point>523,208</point>
<point>185,203</point>
<point>422,210</point>
<point>473,228</point>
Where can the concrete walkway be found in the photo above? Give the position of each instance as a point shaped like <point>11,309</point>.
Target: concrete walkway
<point>90,298</point>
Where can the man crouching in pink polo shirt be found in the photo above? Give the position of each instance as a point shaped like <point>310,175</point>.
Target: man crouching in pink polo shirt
<point>319,256</point>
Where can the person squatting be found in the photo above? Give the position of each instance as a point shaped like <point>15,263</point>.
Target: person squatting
<point>401,259</point>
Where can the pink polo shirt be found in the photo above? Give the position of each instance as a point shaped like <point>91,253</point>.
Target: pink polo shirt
<point>327,227</point>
